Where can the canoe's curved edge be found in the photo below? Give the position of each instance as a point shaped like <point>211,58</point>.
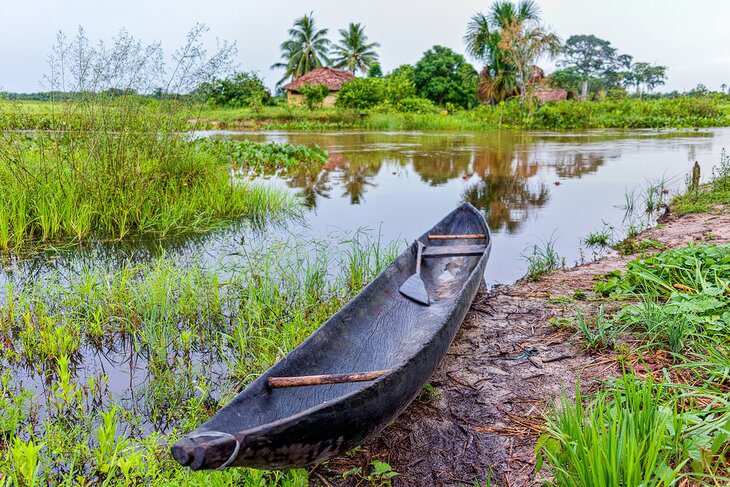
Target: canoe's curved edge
<point>197,452</point>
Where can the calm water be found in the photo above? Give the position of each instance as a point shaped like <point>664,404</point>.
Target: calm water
<point>531,186</point>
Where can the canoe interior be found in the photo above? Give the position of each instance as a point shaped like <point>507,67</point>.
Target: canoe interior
<point>379,329</point>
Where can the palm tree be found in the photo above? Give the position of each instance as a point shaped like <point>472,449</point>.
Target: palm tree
<point>353,51</point>
<point>305,50</point>
<point>485,42</point>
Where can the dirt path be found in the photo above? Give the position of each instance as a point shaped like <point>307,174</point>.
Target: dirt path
<point>505,366</point>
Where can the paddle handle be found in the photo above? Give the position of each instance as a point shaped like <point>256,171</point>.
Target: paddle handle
<point>318,380</point>
<point>457,237</point>
<point>418,257</point>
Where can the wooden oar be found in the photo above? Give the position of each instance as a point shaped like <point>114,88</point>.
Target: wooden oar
<point>456,237</point>
<point>414,287</point>
<point>318,380</point>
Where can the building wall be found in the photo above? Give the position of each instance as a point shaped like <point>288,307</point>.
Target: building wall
<point>297,99</point>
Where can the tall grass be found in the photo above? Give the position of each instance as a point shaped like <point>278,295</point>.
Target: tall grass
<point>116,164</point>
<point>628,435</point>
<point>656,426</point>
<point>184,327</point>
<point>706,197</point>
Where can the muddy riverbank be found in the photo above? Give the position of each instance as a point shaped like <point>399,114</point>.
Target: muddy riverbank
<point>505,367</point>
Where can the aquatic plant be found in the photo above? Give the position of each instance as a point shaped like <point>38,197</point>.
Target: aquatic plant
<point>195,333</point>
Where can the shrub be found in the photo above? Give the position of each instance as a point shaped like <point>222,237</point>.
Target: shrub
<point>314,95</point>
<point>415,105</point>
<point>238,90</point>
<point>364,93</point>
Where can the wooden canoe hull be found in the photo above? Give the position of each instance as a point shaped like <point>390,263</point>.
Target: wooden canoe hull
<point>379,329</point>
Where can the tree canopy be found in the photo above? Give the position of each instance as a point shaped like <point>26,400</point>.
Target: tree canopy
<point>354,52</point>
<point>306,49</point>
<point>509,39</point>
<point>444,76</point>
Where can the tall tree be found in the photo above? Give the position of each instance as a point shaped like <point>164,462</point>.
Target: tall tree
<point>444,76</point>
<point>589,56</point>
<point>523,44</point>
<point>354,52</point>
<point>647,74</point>
<point>305,50</point>
<point>484,42</point>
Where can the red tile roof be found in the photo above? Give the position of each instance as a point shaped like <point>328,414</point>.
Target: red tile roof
<point>551,95</point>
<point>332,77</point>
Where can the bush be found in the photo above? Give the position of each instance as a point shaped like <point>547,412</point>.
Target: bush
<point>364,93</point>
<point>415,105</point>
<point>238,90</point>
<point>314,95</point>
<point>361,93</point>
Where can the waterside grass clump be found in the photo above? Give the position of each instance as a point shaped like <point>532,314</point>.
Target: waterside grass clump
<point>666,419</point>
<point>60,188</point>
<point>195,334</point>
<point>704,198</point>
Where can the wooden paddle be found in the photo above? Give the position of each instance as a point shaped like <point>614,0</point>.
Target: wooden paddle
<point>414,287</point>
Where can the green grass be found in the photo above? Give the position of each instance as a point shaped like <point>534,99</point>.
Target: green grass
<point>628,113</point>
<point>541,259</point>
<point>130,168</point>
<point>707,196</point>
<point>655,429</point>
<point>183,323</point>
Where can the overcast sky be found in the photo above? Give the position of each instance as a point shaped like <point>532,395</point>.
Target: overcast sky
<point>691,37</point>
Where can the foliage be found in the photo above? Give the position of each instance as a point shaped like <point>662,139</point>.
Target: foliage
<point>184,323</point>
<point>265,157</point>
<point>588,56</point>
<point>694,269</point>
<point>314,95</point>
<point>485,41</point>
<point>238,90</point>
<point>128,166</point>
<point>626,436</point>
<point>375,71</point>
<point>541,259</point>
<point>363,93</point>
<point>647,432</point>
<point>523,45</point>
<point>353,52</point>
<point>306,49</point>
<point>704,198</point>
<point>443,76</point>
<point>625,113</point>
<point>598,66</point>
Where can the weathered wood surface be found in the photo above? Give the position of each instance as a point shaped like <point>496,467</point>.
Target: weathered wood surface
<point>454,250</point>
<point>380,329</point>
<point>457,237</point>
<point>318,380</point>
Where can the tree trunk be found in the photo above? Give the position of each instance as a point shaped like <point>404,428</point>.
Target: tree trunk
<point>584,91</point>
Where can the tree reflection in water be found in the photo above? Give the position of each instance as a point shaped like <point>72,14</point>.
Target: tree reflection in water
<point>506,173</point>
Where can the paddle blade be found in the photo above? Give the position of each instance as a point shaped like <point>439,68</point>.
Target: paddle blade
<point>415,289</point>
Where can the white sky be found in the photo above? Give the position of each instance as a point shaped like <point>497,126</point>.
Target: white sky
<point>691,37</point>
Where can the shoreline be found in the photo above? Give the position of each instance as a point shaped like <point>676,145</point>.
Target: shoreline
<point>507,364</point>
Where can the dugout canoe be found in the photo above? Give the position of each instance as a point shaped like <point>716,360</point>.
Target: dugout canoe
<point>391,344</point>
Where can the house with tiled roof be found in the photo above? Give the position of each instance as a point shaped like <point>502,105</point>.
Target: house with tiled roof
<point>332,78</point>
<point>546,95</point>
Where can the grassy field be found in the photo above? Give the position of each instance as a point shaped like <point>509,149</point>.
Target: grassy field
<point>567,115</point>
<point>182,323</point>
<point>629,113</point>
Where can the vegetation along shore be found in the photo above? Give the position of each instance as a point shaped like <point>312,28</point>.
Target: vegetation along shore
<point>614,372</point>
